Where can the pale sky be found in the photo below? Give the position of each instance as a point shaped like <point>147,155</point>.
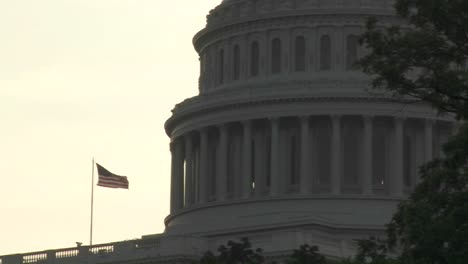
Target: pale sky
<point>84,78</point>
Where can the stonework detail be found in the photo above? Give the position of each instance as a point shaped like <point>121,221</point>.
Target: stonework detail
<point>285,142</point>
<point>285,133</point>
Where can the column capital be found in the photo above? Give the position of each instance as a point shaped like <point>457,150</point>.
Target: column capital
<point>304,118</point>
<point>187,136</point>
<point>173,144</point>
<point>274,119</point>
<point>368,118</point>
<point>171,147</point>
<point>247,124</point>
<point>400,118</point>
<point>429,121</point>
<point>222,127</point>
<point>203,131</point>
<point>335,117</point>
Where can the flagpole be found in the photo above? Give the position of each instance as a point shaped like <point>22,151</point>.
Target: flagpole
<point>92,206</point>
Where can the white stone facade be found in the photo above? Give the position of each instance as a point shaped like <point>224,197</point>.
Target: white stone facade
<point>285,135</point>
<point>284,144</point>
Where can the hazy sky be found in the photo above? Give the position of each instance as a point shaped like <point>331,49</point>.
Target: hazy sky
<point>84,78</point>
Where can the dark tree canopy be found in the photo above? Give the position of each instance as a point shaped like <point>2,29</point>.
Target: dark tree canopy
<point>424,60</point>
<point>234,253</point>
<point>427,61</point>
<point>307,255</point>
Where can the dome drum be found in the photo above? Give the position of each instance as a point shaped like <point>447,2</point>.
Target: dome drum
<point>307,49</point>
<point>293,154</point>
<point>285,135</point>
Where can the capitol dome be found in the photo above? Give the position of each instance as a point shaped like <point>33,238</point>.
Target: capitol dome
<point>284,143</point>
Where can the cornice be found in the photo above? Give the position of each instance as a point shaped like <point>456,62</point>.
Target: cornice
<point>243,9</point>
<point>284,198</point>
<point>287,20</point>
<point>196,106</point>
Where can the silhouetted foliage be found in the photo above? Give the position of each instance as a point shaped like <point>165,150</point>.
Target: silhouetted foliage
<point>234,253</point>
<point>427,62</point>
<point>307,255</point>
<point>371,251</point>
<point>432,226</point>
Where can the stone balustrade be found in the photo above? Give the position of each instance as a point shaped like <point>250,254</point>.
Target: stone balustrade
<point>147,248</point>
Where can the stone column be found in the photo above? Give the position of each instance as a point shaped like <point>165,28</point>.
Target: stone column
<point>246,187</point>
<point>306,177</point>
<point>275,181</point>
<point>173,178</point>
<point>428,137</point>
<point>336,155</point>
<point>397,177</point>
<point>203,182</point>
<point>367,156</point>
<point>221,166</point>
<point>189,190</point>
<point>177,176</point>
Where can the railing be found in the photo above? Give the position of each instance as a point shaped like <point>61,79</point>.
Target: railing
<point>66,253</point>
<point>36,257</point>
<point>105,249</point>
<point>125,250</point>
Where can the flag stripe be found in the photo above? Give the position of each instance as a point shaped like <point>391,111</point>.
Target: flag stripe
<point>108,179</point>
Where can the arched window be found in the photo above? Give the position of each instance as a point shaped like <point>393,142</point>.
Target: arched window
<point>300,54</point>
<point>236,62</point>
<point>325,53</point>
<point>352,43</point>
<point>276,56</point>
<point>254,59</point>
<point>221,67</point>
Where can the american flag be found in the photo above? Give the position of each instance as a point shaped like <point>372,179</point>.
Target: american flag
<point>108,179</point>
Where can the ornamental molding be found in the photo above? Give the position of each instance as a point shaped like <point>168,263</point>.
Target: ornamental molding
<point>235,10</point>
<point>198,106</point>
<point>269,199</point>
<point>317,220</point>
<point>217,33</point>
